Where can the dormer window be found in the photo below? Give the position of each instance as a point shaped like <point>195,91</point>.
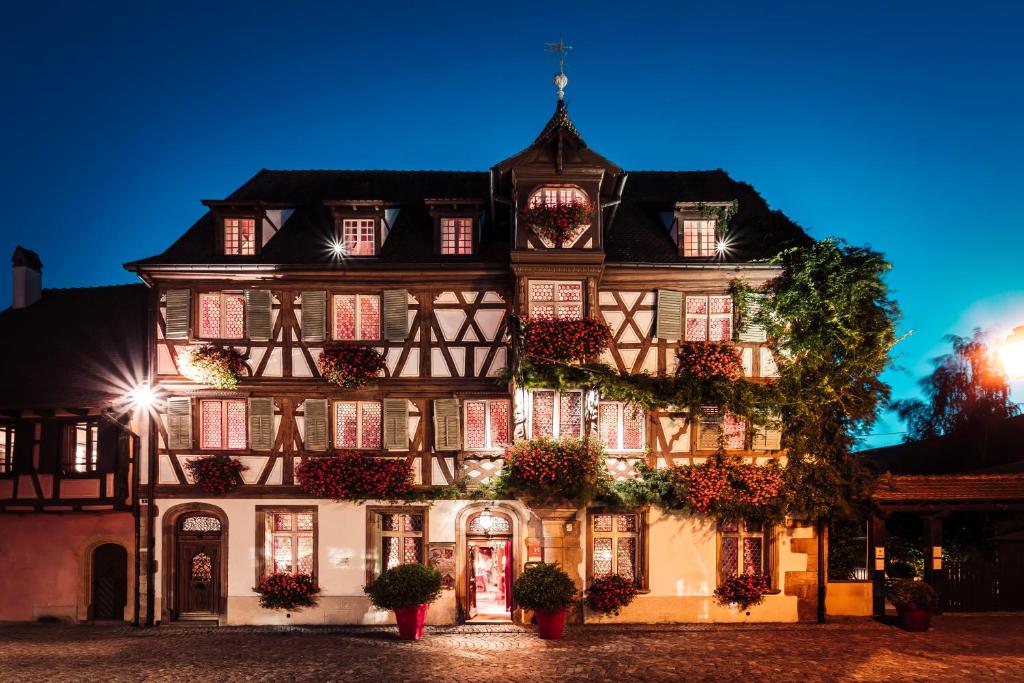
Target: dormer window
<point>556,196</point>
<point>699,237</point>
<point>457,236</point>
<point>359,236</point>
<point>239,236</point>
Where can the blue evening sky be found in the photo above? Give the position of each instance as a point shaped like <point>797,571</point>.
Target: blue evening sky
<point>892,124</point>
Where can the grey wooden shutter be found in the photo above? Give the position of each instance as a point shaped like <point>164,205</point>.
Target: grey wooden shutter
<point>767,437</point>
<point>257,314</point>
<point>261,424</point>
<point>396,314</point>
<point>396,424</point>
<point>447,430</point>
<point>315,421</point>
<point>670,315</point>
<point>177,313</point>
<point>314,316</point>
<point>179,423</point>
<point>751,332</point>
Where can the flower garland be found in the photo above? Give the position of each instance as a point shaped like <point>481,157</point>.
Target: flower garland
<point>702,361</point>
<point>287,591</point>
<point>565,340</point>
<point>610,594</point>
<point>558,223</point>
<point>218,474</point>
<point>216,366</point>
<point>350,475</point>
<point>545,469</point>
<point>728,489</point>
<point>350,365</point>
<point>744,591</point>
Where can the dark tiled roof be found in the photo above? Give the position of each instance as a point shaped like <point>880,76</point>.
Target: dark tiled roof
<point>949,488</point>
<point>637,232</point>
<point>74,348</point>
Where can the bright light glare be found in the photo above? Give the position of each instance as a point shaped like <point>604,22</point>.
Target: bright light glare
<point>337,248</point>
<point>722,247</point>
<point>1012,354</point>
<point>141,396</point>
<point>486,519</point>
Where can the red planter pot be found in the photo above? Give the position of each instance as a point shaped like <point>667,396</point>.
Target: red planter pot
<point>410,621</point>
<point>550,625</point>
<point>914,619</point>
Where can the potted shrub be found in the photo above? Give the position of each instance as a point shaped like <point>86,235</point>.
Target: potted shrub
<point>548,591</point>
<point>408,590</point>
<point>609,594</point>
<point>915,603</point>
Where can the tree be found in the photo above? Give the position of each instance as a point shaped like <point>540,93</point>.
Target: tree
<point>965,394</point>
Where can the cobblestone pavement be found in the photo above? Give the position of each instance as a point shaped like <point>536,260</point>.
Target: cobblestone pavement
<point>958,648</point>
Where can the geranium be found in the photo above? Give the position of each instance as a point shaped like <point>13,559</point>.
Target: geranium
<point>610,594</point>
<point>287,591</point>
<point>702,361</point>
<point>216,366</point>
<point>351,475</point>
<point>565,340</point>
<point>744,591</point>
<point>218,474</point>
<point>350,365</point>
<point>558,223</point>
<point>728,489</point>
<point>569,469</point>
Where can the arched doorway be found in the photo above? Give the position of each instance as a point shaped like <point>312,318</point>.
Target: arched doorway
<point>197,566</point>
<point>489,566</point>
<point>109,582</point>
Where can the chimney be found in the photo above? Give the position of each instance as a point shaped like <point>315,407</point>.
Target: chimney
<point>28,277</point>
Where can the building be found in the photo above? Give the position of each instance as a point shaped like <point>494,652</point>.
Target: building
<point>69,448</point>
<point>427,267</point>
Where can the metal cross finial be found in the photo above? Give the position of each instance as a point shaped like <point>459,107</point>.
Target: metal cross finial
<point>561,80</point>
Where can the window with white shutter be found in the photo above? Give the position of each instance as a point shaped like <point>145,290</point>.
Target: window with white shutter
<point>751,331</point>
<point>357,425</point>
<point>179,423</point>
<point>670,310</point>
<point>314,421</point>
<point>447,427</point>
<point>396,424</point>
<point>718,426</point>
<point>222,424</point>
<point>314,316</point>
<point>767,437</point>
<point>177,313</point>
<point>261,424</point>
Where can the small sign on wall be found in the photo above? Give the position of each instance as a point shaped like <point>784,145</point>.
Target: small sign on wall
<point>534,553</point>
<point>879,558</point>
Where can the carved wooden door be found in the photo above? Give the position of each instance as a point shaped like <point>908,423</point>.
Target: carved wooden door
<point>198,578</point>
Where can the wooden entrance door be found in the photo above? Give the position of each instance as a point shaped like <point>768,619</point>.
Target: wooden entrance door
<point>197,571</point>
<point>109,582</point>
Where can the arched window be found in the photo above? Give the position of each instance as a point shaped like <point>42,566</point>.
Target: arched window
<point>200,524</point>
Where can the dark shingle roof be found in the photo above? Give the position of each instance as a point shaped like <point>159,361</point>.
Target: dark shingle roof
<point>636,234</point>
<point>949,488</point>
<point>74,348</point>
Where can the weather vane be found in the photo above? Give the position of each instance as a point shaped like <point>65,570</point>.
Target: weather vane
<point>561,80</point>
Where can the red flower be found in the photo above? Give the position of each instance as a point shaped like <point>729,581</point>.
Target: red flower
<point>558,223</point>
<point>287,591</point>
<point>350,365</point>
<point>744,591</point>
<point>351,475</point>
<point>565,340</point>
<point>218,474</point>
<point>706,360</point>
<point>216,366</point>
<point>610,594</point>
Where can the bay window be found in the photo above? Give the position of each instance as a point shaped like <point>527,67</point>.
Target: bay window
<point>556,299</point>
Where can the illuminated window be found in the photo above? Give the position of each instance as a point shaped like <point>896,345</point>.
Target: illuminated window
<point>222,424</point>
<point>81,447</point>
<point>556,415</point>
<point>617,546</point>
<point>742,549</point>
<point>487,424</point>
<point>359,236</point>
<point>6,448</point>
<point>708,318</point>
<point>398,537</point>
<point>556,196</point>
<point>356,317</point>
<point>357,424</point>
<point>240,236</point>
<point>620,426</point>
<point>287,537</point>
<point>221,315</point>
<point>718,428</point>
<point>456,235</point>
<point>699,237</point>
<point>551,299</point>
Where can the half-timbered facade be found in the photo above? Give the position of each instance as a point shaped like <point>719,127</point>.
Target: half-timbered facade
<point>70,443</point>
<point>434,269</point>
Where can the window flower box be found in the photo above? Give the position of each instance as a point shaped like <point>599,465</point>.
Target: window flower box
<point>217,474</point>
<point>350,366</point>
<point>287,591</point>
<point>565,340</point>
<point>355,476</point>
<point>216,366</point>
<point>558,223</point>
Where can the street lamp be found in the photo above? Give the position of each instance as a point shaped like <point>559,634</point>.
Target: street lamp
<point>486,520</point>
<point>1011,353</point>
<point>141,396</point>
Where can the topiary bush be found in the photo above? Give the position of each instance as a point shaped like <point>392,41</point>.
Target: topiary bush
<point>909,594</point>
<point>407,585</point>
<point>544,587</point>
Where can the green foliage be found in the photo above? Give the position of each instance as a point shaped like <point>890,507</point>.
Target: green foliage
<point>545,470</point>
<point>406,585</point>
<point>967,392</point>
<point>722,215</point>
<point>544,587</point>
<point>908,593</point>
<point>847,548</point>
